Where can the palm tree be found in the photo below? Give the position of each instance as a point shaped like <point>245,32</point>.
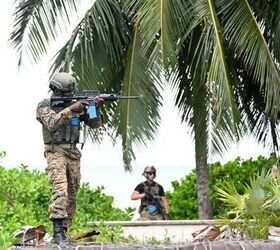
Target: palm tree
<point>225,54</point>
<point>218,47</point>
<point>104,52</point>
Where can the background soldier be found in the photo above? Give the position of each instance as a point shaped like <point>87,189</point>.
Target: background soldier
<point>61,131</point>
<point>154,205</point>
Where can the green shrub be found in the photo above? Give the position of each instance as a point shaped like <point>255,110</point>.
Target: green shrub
<point>183,200</point>
<point>24,198</point>
<point>257,205</point>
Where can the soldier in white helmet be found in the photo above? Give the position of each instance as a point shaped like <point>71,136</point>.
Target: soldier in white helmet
<point>154,205</point>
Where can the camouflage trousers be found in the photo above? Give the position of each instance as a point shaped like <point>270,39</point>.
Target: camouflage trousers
<point>144,215</point>
<point>64,176</point>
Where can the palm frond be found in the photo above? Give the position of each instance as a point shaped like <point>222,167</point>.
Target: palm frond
<point>251,47</point>
<point>109,26</point>
<point>268,15</point>
<point>235,201</point>
<point>99,40</point>
<point>161,23</point>
<point>219,78</point>
<point>37,23</point>
<point>221,137</point>
<point>258,200</point>
<point>197,95</point>
<point>275,196</point>
<point>252,106</point>
<point>138,118</point>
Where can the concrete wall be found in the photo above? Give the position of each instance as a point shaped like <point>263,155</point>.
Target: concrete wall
<point>177,230</point>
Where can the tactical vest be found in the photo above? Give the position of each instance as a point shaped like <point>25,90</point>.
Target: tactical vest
<point>154,190</point>
<point>66,134</point>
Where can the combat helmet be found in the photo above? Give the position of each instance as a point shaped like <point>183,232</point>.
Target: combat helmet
<point>149,169</point>
<point>62,82</point>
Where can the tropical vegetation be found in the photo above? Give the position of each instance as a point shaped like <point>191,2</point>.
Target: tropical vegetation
<point>257,206</point>
<point>237,173</point>
<point>221,57</point>
<point>24,198</point>
<point>239,189</point>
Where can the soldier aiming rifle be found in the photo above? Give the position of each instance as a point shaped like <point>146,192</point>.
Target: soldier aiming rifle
<point>60,116</point>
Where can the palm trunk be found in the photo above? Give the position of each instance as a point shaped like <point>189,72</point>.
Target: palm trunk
<point>201,153</point>
<point>204,203</point>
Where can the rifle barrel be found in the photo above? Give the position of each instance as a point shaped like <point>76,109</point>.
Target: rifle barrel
<point>116,97</point>
<point>127,97</point>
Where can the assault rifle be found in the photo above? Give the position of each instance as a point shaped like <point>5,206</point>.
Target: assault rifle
<point>87,97</point>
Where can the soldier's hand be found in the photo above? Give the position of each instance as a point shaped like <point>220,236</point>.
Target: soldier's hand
<point>98,101</point>
<point>77,107</point>
<point>149,197</point>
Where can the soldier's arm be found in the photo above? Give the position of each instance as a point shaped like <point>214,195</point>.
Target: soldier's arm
<point>138,192</point>
<point>165,205</point>
<point>50,119</point>
<point>136,195</point>
<point>164,201</point>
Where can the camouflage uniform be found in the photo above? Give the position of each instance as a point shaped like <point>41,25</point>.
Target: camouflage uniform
<point>64,175</point>
<point>63,158</point>
<point>144,215</point>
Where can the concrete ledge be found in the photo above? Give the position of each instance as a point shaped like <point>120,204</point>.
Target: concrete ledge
<point>234,245</point>
<point>175,231</point>
<point>161,222</point>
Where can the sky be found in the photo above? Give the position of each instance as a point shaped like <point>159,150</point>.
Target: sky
<point>172,151</point>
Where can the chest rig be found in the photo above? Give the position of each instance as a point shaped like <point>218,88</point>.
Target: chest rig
<point>152,189</point>
<point>66,134</point>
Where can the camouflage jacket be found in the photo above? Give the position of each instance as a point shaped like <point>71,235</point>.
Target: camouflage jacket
<point>58,126</point>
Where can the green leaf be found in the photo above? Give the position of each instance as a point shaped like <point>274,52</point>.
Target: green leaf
<point>37,23</point>
<point>250,46</point>
<point>138,118</point>
<point>161,23</point>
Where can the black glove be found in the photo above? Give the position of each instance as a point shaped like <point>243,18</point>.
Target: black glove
<point>149,197</point>
<point>166,217</point>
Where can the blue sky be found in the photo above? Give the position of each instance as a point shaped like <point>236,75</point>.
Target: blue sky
<point>172,152</point>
